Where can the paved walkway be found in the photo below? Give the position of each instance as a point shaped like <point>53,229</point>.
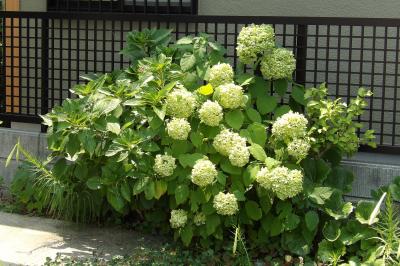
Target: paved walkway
<point>28,240</point>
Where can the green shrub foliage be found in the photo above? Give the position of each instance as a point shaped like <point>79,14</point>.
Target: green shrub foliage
<point>185,144</point>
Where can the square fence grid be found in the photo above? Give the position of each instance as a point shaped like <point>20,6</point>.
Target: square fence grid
<point>45,54</point>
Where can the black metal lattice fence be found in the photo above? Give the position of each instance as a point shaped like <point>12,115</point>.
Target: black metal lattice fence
<point>45,53</point>
<point>134,6</point>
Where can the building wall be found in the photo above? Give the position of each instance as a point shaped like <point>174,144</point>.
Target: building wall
<point>321,8</point>
<point>32,5</point>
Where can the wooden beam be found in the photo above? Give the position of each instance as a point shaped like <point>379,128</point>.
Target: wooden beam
<point>11,58</point>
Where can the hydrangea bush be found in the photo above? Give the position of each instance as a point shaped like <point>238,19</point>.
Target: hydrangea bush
<point>184,144</point>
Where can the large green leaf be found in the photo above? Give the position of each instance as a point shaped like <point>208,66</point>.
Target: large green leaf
<point>73,145</point>
<point>331,230</point>
<point>276,226</point>
<point>187,234</point>
<point>115,200</point>
<point>150,190</point>
<point>297,244</point>
<point>320,194</point>
<point>181,194</point>
<point>221,178</point>
<point>185,40</point>
<point>196,138</point>
<point>160,188</point>
<point>93,183</point>
<point>281,86</point>
<point>312,220</point>
<point>291,222</point>
<point>336,207</point>
<point>298,94</point>
<point>281,110</point>
<point>88,141</point>
<point>253,210</point>
<point>189,160</point>
<point>353,232</point>
<point>266,104</point>
<point>257,133</point>
<point>188,61</point>
<point>234,119</point>
<point>316,170</point>
<point>259,87</point>
<point>250,174</point>
<point>140,184</point>
<point>126,191</point>
<point>212,223</point>
<point>106,105</point>
<point>113,127</point>
<point>258,152</point>
<point>364,210</point>
<point>253,115</point>
<point>228,168</point>
<point>330,251</point>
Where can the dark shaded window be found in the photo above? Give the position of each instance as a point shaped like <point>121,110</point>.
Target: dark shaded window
<point>135,6</point>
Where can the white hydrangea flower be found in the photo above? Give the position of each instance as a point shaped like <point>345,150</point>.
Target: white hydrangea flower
<point>178,128</point>
<point>239,155</point>
<point>199,219</point>
<point>283,182</point>
<point>290,126</point>
<point>203,173</point>
<point>180,103</point>
<point>253,41</point>
<point>164,165</point>
<point>178,218</point>
<point>230,96</point>
<point>299,148</point>
<point>220,74</point>
<point>226,140</point>
<point>210,113</point>
<point>225,204</point>
<point>278,65</point>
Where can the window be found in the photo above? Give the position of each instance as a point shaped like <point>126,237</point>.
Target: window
<point>135,6</point>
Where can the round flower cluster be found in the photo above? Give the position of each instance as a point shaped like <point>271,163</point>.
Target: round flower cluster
<point>290,126</point>
<point>210,113</point>
<point>203,173</point>
<point>299,148</point>
<point>230,96</point>
<point>278,64</point>
<point>225,204</point>
<point>178,128</point>
<point>283,182</point>
<point>226,140</point>
<point>199,219</point>
<point>239,155</point>
<point>180,103</point>
<point>220,74</point>
<point>164,165</point>
<point>178,218</point>
<point>253,41</point>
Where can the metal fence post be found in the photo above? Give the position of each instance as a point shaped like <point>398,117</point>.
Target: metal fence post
<point>301,54</point>
<point>44,96</point>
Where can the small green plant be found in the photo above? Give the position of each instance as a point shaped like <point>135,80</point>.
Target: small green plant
<point>388,229</point>
<point>38,187</point>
